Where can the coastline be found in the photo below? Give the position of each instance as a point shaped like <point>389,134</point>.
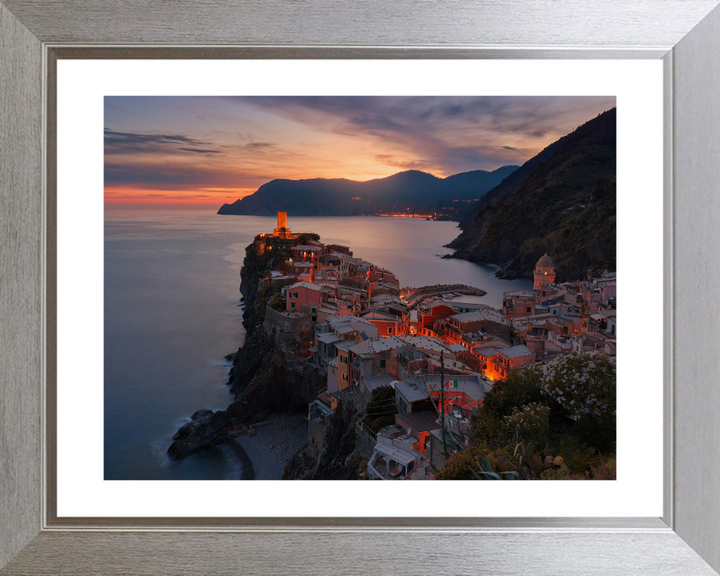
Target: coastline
<point>248,470</point>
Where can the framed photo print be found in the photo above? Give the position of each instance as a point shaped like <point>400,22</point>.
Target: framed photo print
<point>272,300</point>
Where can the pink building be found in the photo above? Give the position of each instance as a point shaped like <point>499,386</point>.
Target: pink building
<point>509,359</point>
<point>518,304</point>
<point>303,297</point>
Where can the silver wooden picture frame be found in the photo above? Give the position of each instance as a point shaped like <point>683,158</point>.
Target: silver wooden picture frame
<point>34,35</point>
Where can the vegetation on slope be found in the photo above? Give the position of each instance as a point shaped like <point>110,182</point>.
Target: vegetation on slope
<point>567,408</point>
<point>565,207</point>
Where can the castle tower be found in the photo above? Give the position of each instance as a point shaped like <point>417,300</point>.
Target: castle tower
<point>544,272</point>
<point>282,229</point>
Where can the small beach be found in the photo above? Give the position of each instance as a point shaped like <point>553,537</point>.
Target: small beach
<point>275,441</point>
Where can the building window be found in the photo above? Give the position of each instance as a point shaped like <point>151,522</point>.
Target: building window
<point>344,377</point>
<point>293,294</point>
<point>390,330</point>
<point>528,309</point>
<point>343,359</point>
<point>292,304</point>
<point>382,363</point>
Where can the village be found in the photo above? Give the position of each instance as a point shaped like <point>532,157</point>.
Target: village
<point>416,363</point>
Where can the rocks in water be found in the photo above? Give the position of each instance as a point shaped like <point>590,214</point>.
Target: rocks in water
<point>205,430</point>
<point>231,357</point>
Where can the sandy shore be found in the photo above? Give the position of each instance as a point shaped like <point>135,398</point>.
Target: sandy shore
<point>265,454</point>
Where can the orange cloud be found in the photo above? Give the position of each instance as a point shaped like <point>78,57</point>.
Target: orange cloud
<point>202,196</point>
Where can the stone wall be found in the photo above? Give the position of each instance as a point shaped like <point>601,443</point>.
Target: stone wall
<point>354,397</point>
<point>288,323</point>
<point>364,442</point>
<point>315,437</point>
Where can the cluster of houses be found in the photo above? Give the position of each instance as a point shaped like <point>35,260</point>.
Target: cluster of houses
<point>439,355</point>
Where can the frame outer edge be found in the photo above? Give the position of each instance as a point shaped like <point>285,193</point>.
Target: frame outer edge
<point>441,554</point>
<point>668,297</point>
<point>588,23</point>
<point>21,304</point>
<point>21,285</point>
<point>696,129</point>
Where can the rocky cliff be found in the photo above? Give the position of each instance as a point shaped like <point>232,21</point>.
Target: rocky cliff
<point>564,206</point>
<point>334,461</point>
<point>268,373</point>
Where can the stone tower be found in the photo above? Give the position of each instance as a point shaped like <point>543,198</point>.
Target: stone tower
<point>544,272</point>
<point>282,229</point>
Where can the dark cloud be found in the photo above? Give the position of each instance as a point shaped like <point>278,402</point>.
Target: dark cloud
<point>134,143</point>
<point>200,151</point>
<point>428,126</point>
<point>254,148</point>
<point>260,145</point>
<point>256,139</point>
<point>129,138</point>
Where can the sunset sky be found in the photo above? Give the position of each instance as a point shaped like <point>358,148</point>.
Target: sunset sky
<point>199,151</point>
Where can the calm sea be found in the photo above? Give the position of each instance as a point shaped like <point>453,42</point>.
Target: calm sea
<point>171,315</point>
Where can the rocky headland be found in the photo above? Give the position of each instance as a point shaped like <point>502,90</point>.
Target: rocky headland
<point>269,373</point>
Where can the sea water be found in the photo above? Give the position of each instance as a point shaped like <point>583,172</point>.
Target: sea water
<point>172,312</point>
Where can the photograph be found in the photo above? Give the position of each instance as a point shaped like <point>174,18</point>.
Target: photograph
<point>360,287</point>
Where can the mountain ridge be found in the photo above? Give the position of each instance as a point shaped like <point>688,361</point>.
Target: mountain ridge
<point>410,189</point>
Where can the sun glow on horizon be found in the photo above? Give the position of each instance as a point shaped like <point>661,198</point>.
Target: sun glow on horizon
<point>216,150</point>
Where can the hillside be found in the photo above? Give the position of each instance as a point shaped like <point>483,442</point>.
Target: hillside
<point>514,179</point>
<point>340,197</point>
<point>565,206</point>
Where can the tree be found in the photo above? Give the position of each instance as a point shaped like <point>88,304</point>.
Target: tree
<point>520,388</point>
<point>381,409</point>
<point>304,238</point>
<point>584,385</point>
<point>529,423</point>
<point>277,303</point>
<point>578,391</point>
